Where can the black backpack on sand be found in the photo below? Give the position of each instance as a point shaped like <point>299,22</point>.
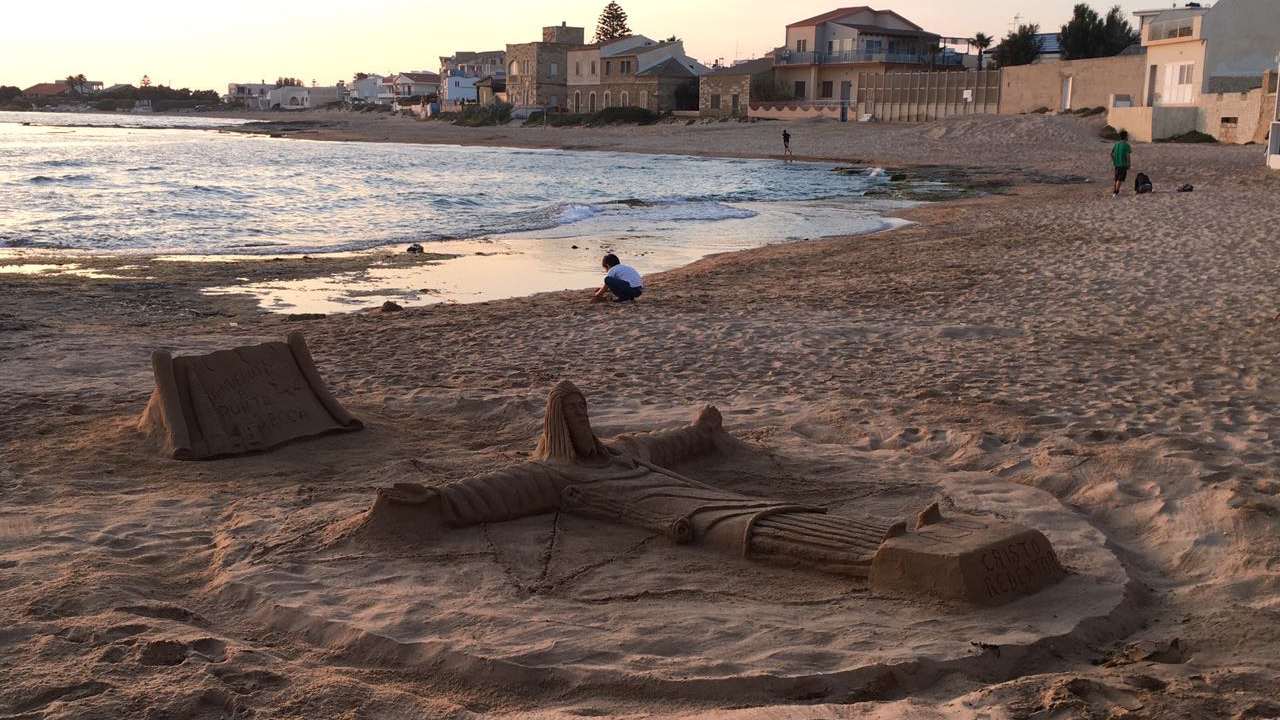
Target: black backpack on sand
<point>1142,184</point>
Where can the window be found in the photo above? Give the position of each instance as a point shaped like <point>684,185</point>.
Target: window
<point>593,68</point>
<point>831,47</point>
<point>626,99</point>
<point>800,90</point>
<point>624,67</point>
<point>577,69</point>
<point>577,102</point>
<point>1179,84</point>
<point>591,100</point>
<point>828,89</point>
<point>608,99</point>
<point>715,102</point>
<point>733,103</point>
<point>555,69</point>
<point>874,46</point>
<point>802,45</point>
<point>608,68</point>
<point>644,98</point>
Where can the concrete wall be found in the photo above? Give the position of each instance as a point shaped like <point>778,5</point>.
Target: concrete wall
<point>925,96</point>
<point>1147,124</point>
<point>795,111</point>
<point>1027,88</point>
<point>1243,38</point>
<point>1248,110</point>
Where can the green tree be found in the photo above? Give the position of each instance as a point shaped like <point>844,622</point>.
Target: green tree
<point>76,84</point>
<point>1019,47</point>
<point>8,93</point>
<point>1082,35</point>
<point>1117,33</point>
<point>612,24</point>
<point>981,41</point>
<point>1089,35</point>
<point>289,82</point>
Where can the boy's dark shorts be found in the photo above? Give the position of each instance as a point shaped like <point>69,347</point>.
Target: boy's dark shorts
<point>1122,174</point>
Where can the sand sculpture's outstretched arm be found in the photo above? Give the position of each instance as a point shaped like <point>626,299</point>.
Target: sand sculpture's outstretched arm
<point>520,491</point>
<point>705,436</point>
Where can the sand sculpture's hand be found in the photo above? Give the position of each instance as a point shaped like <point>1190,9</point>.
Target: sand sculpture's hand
<point>411,510</point>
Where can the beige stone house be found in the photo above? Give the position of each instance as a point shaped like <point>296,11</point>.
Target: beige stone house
<point>824,55</point>
<point>726,92</point>
<point>537,72</point>
<point>1207,69</point>
<point>631,72</point>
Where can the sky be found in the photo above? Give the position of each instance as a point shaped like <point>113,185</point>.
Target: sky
<point>205,45</point>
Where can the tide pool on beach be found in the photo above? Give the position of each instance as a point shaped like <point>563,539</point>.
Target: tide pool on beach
<point>517,221</point>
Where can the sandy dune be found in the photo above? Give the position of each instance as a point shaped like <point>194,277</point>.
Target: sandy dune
<point>1103,369</point>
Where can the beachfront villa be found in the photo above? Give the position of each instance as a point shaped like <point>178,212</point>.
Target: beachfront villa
<point>825,54</point>
<point>366,89</point>
<point>633,71</point>
<point>726,91</point>
<point>58,88</point>
<point>415,84</point>
<point>460,72</point>
<point>536,71</point>
<point>1207,70</point>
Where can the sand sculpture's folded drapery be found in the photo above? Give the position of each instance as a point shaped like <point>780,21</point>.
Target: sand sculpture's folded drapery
<point>974,559</point>
<point>239,401</point>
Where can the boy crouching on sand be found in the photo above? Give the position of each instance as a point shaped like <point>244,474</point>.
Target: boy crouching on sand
<point>621,280</point>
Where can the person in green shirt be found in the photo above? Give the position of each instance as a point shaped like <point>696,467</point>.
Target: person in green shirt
<point>1121,159</point>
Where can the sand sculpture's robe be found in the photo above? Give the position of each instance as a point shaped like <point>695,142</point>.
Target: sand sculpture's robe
<point>630,487</point>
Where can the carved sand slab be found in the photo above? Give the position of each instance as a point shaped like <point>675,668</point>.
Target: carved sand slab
<point>969,558</point>
<point>238,401</point>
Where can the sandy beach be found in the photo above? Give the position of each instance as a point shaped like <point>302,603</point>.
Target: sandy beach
<point>1102,369</point>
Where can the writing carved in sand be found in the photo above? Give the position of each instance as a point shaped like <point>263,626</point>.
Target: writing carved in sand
<point>238,401</point>
<point>626,480</point>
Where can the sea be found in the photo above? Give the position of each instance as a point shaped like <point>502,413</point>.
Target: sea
<point>132,185</point>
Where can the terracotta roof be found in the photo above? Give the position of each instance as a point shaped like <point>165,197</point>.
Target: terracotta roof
<point>877,30</point>
<point>841,12</point>
<point>426,77</point>
<point>46,89</point>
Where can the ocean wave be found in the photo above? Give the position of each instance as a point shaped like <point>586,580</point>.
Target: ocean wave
<point>58,179</point>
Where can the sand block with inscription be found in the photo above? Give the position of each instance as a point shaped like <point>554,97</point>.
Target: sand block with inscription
<point>238,401</point>
<point>976,560</point>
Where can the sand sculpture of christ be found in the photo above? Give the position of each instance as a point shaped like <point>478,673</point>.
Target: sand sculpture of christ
<point>627,480</point>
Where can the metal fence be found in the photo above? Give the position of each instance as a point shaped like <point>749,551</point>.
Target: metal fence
<point>924,96</point>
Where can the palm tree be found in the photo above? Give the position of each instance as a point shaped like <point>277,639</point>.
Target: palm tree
<point>76,84</point>
<point>981,41</point>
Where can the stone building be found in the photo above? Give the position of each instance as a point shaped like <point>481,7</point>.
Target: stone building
<point>537,71</point>
<point>726,92</point>
<point>632,72</point>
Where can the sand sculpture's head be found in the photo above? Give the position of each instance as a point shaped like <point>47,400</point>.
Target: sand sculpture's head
<point>566,429</point>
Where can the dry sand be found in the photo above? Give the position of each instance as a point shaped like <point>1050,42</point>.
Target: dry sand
<point>1103,369</point>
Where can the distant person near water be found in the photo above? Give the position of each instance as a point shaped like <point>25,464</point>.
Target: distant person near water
<point>1121,159</point>
<point>786,145</point>
<point>621,280</point>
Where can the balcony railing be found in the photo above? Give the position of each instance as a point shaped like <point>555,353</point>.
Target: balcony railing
<point>792,57</point>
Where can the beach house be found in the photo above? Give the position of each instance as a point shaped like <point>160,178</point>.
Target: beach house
<point>253,96</point>
<point>460,72</point>
<point>365,88</point>
<point>419,84</point>
<point>727,91</point>
<point>1207,70</point>
<point>824,55</point>
<point>537,71</point>
<point>633,71</point>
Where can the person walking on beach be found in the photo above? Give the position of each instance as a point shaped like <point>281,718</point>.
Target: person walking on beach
<point>1121,159</point>
<point>621,280</point>
<point>786,145</point>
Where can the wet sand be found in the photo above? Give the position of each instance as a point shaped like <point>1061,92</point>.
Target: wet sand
<point>1102,368</point>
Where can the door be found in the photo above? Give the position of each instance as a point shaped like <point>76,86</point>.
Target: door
<point>846,91</point>
<point>1151,85</point>
<point>1066,94</point>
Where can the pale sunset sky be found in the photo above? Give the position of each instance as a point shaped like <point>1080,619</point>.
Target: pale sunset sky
<point>205,45</point>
